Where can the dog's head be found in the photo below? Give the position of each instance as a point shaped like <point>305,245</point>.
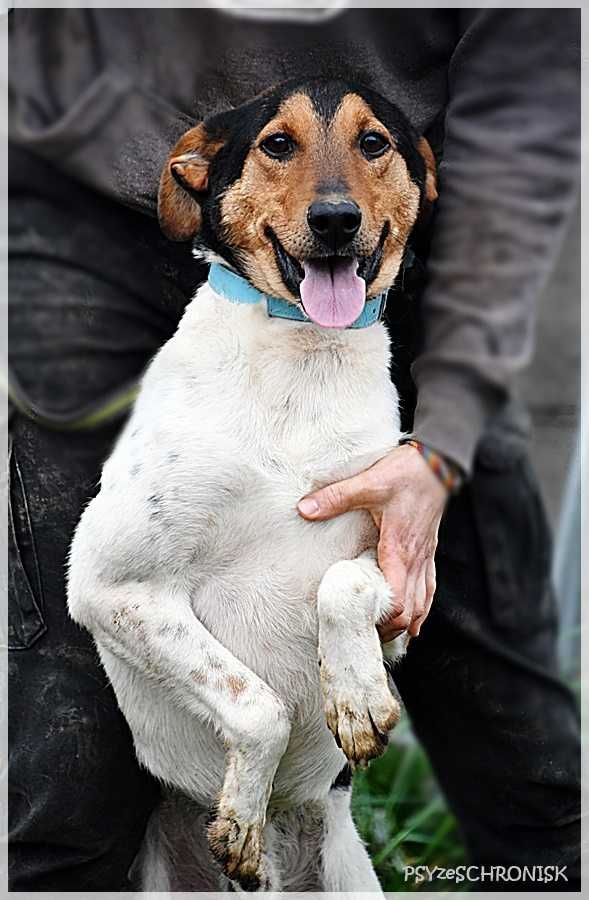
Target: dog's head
<point>310,191</point>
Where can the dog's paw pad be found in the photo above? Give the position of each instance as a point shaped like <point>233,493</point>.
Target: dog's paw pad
<point>237,847</point>
<point>361,725</point>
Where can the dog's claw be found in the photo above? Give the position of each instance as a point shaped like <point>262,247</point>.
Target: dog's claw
<point>237,847</point>
<point>360,725</point>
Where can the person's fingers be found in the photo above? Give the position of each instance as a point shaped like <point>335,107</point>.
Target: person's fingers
<point>395,623</point>
<point>395,572</point>
<point>429,589</point>
<point>419,595</point>
<point>412,592</point>
<point>420,601</point>
<point>338,498</point>
<point>430,582</point>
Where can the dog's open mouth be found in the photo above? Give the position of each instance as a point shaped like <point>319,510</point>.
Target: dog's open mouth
<point>332,288</point>
<point>332,293</point>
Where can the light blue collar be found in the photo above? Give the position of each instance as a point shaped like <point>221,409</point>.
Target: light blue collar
<point>236,289</point>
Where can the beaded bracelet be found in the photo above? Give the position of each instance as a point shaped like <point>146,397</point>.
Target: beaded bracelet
<point>445,471</point>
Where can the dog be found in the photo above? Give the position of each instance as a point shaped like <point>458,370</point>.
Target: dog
<point>241,639</point>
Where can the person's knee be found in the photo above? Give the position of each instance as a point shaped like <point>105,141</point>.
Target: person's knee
<point>76,787</point>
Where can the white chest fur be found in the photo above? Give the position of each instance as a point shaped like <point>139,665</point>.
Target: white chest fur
<point>239,416</point>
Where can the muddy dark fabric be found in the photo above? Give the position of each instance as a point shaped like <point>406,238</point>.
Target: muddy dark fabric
<point>93,296</point>
<point>105,93</point>
<point>481,684</point>
<point>95,290</point>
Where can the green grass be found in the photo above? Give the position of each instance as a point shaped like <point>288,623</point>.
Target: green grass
<point>403,818</point>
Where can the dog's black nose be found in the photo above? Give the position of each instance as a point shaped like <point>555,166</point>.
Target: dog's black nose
<point>335,224</point>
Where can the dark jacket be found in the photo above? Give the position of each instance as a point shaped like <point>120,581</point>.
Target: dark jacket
<point>104,93</point>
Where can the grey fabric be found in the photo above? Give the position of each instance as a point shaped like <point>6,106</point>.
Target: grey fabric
<point>104,93</point>
<point>508,183</point>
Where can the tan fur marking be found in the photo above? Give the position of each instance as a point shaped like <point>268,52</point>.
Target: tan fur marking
<point>274,193</point>
<point>383,189</point>
<point>278,194</point>
<point>431,189</point>
<point>236,685</point>
<point>193,173</point>
<point>178,212</point>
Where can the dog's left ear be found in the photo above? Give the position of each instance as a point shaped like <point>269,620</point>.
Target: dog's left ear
<point>184,178</point>
<point>431,190</point>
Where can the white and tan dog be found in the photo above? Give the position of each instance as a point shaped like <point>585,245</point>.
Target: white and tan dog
<point>210,599</point>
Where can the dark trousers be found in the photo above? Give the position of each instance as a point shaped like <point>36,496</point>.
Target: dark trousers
<point>94,291</point>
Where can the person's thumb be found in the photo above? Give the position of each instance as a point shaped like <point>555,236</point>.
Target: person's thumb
<point>335,499</point>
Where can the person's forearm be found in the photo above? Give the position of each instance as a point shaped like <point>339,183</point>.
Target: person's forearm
<point>507,183</point>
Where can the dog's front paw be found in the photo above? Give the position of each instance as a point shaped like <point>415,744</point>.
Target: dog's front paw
<point>238,848</point>
<point>360,716</point>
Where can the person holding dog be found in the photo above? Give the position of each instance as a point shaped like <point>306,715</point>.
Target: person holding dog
<point>97,99</point>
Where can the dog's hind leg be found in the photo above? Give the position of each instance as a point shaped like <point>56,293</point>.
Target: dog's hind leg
<point>360,709</point>
<point>345,863</point>
<point>317,848</point>
<point>153,629</point>
<point>175,856</point>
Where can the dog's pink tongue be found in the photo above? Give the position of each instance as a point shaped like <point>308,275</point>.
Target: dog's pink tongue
<point>333,295</point>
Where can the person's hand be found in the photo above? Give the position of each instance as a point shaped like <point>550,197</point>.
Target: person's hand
<point>406,501</point>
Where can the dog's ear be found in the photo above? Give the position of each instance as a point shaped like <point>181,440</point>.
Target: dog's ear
<point>184,178</point>
<point>431,178</point>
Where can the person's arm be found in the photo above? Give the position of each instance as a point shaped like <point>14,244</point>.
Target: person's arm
<point>507,182</point>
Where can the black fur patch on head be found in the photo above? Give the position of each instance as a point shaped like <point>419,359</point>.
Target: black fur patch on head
<point>238,128</point>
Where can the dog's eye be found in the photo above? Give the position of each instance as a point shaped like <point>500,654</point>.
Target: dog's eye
<point>278,146</point>
<point>373,144</point>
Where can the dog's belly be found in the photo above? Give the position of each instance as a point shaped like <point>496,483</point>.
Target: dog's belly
<point>260,602</point>
<point>254,589</point>
<point>168,738</point>
<point>254,584</point>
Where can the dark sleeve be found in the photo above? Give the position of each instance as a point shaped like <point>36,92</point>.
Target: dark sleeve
<point>508,181</point>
